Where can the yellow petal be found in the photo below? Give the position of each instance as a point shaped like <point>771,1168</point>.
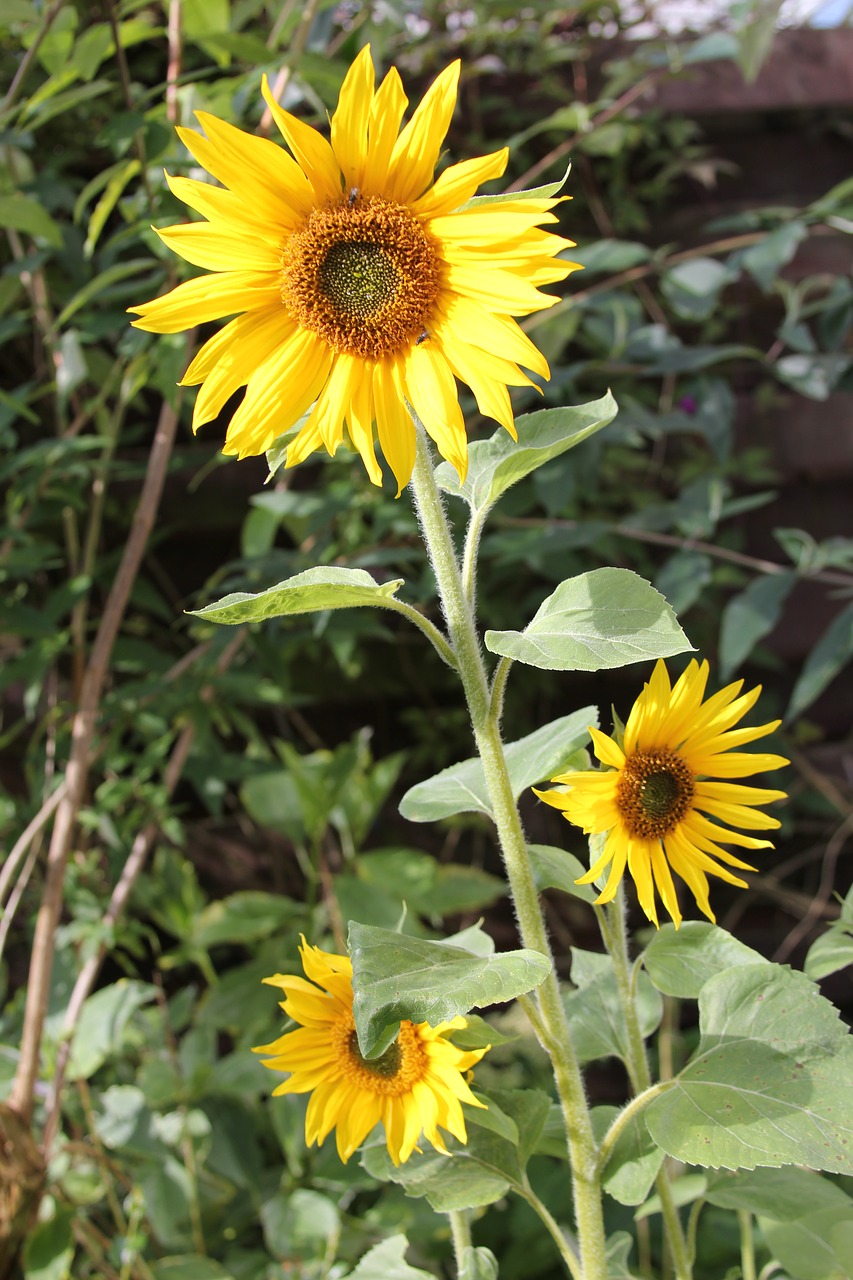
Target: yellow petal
<point>278,393</point>
<point>206,245</point>
<point>386,114</point>
<point>349,123</point>
<point>431,390</point>
<point>457,184</point>
<point>206,298</point>
<point>394,424</point>
<point>417,149</point>
<point>313,153</point>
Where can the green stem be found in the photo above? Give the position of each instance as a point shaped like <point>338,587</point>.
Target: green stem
<point>612,922</point>
<point>469,554</point>
<point>429,629</point>
<point>499,680</point>
<point>552,1226</point>
<point>557,1040</point>
<point>637,1104</point>
<point>747,1247</point>
<point>460,1231</point>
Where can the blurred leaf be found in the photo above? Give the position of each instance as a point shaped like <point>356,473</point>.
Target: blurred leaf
<point>397,978</point>
<point>298,1223</point>
<point>813,376</point>
<point>749,617</point>
<point>478,1264</point>
<point>693,288</point>
<point>22,213</point>
<point>831,653</point>
<point>188,1267</point>
<point>102,1024</point>
<point>461,788</point>
<point>683,579</point>
<point>243,917</point>
<point>603,619</point>
<point>387,1261</point>
<point>766,259</point>
<point>49,1248</point>
<point>833,950</point>
<point>611,256</point>
<point>594,1011</point>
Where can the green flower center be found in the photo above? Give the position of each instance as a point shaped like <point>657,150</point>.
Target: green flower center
<point>358,279</point>
<point>387,1066</point>
<point>654,793</point>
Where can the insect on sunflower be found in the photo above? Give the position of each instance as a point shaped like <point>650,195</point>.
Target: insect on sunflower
<point>358,280</point>
<point>657,800</point>
<point>416,1086</point>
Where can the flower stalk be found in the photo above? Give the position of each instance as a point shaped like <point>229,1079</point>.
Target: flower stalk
<point>556,1039</point>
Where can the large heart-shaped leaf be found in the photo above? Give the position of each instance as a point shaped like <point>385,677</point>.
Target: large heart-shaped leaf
<point>396,977</point>
<point>598,620</point>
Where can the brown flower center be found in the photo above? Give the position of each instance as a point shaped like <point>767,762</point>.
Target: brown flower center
<point>654,792</point>
<point>362,274</point>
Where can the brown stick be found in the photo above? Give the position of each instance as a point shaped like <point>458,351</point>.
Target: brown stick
<point>118,901</point>
<point>83,728</point>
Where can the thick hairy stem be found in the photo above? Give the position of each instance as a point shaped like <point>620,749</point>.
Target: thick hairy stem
<point>466,646</point>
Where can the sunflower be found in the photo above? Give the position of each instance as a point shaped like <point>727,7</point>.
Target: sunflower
<point>415,1086</point>
<point>358,280</point>
<point>655,799</point>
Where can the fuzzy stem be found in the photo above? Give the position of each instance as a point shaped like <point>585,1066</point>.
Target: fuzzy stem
<point>612,921</point>
<point>460,1231</point>
<point>464,640</point>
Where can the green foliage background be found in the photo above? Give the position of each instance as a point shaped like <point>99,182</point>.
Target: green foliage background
<point>263,766</point>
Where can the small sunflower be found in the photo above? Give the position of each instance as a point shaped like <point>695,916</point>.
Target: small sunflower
<point>358,280</point>
<point>655,791</point>
<point>415,1086</point>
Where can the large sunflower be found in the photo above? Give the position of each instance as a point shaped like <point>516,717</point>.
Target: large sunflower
<point>655,791</point>
<point>359,281</point>
<point>415,1086</point>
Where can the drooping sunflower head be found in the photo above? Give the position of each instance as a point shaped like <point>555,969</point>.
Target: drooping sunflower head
<point>415,1087</point>
<point>359,282</point>
<point>664,799</point>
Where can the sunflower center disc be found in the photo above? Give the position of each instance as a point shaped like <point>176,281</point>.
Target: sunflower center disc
<point>363,274</point>
<point>654,793</point>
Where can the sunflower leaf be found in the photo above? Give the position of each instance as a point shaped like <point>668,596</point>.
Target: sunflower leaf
<point>461,788</point>
<point>311,591</point>
<point>387,1261</point>
<point>598,620</point>
<point>770,1083</point>
<point>397,978</point>
<point>680,961</point>
<point>496,464</point>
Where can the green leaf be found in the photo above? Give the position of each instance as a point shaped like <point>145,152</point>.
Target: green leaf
<point>49,1248</point>
<point>618,1250</point>
<point>546,192</point>
<point>610,256</point>
<point>693,288</point>
<point>387,1261</point>
<point>750,616</point>
<point>683,579</point>
<point>299,1222</point>
<point>482,1170</point>
<point>243,917</point>
<point>124,173</point>
<point>594,1011</point>
<point>496,464</point>
<point>823,664</point>
<point>680,961</point>
<point>834,949</point>
<point>766,259</point>
<point>557,869</point>
<point>772,1080</point>
<point>397,978</point>
<point>634,1162</point>
<point>599,620</point>
<point>775,1193</point>
<point>813,376</point>
<point>308,592</point>
<point>21,213</point>
<point>461,788</point>
<point>817,1247</point>
<point>102,1024</point>
<point>188,1267</point>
